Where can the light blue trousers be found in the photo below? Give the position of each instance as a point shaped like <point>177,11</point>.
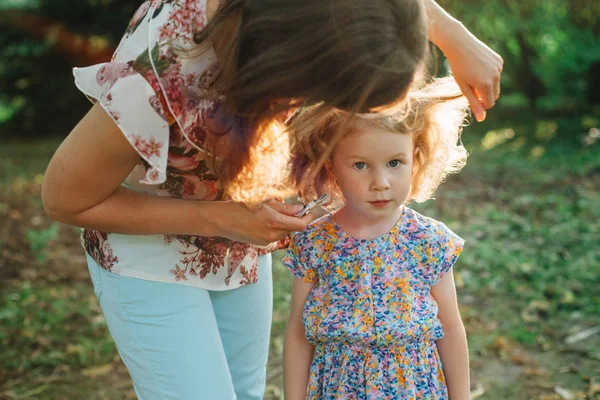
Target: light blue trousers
<point>186,343</point>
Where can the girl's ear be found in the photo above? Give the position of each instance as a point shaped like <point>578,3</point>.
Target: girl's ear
<point>330,172</point>
<point>416,159</point>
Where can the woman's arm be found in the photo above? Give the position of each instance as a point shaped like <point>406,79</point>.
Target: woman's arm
<point>297,351</point>
<point>453,348</point>
<point>82,187</point>
<point>476,68</point>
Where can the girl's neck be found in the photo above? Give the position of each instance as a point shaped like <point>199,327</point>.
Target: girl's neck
<point>361,227</point>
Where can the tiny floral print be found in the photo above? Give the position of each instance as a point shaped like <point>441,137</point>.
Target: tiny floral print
<point>370,314</point>
<point>180,273</point>
<point>147,148</point>
<point>108,75</point>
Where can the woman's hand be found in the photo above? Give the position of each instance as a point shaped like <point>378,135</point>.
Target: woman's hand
<point>270,223</point>
<point>476,67</point>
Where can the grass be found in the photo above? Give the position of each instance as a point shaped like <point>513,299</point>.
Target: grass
<point>528,205</point>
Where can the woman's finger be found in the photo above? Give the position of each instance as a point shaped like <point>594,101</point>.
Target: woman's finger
<point>497,87</point>
<point>283,208</point>
<point>476,106</point>
<point>486,95</point>
<point>293,224</point>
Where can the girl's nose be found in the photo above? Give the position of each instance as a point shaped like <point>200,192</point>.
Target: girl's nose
<point>380,182</point>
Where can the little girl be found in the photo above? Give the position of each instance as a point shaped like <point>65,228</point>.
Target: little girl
<point>374,313</point>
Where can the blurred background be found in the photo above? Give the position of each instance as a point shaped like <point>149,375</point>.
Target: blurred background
<point>528,205</point>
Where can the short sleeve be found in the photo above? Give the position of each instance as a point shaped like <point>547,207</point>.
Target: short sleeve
<point>446,247</point>
<point>132,104</point>
<point>149,84</point>
<point>297,259</point>
<point>122,88</point>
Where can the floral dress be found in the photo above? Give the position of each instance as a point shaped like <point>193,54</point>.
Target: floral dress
<point>161,90</point>
<point>370,314</point>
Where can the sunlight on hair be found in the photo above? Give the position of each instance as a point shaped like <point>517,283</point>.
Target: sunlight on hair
<point>263,177</point>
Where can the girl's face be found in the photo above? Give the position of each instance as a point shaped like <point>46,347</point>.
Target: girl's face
<point>373,168</point>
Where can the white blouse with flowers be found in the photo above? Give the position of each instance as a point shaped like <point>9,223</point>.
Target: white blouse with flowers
<point>166,103</point>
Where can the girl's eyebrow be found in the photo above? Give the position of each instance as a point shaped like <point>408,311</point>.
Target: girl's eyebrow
<point>355,156</point>
<point>397,155</point>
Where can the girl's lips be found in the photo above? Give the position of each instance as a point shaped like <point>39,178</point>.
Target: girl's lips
<point>380,203</point>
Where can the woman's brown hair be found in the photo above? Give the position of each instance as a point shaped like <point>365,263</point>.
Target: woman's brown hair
<point>276,55</point>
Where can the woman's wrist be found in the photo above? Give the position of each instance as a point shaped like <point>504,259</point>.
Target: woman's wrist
<point>210,216</point>
<point>450,37</point>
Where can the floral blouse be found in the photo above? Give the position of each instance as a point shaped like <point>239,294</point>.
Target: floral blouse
<point>370,313</point>
<point>166,102</point>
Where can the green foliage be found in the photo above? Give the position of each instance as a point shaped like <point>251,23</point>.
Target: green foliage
<point>550,51</point>
<point>548,46</point>
<point>37,94</point>
<point>47,326</point>
<point>23,164</point>
<point>39,240</point>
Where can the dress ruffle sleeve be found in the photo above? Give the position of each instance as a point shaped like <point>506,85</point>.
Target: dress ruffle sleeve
<point>297,260</point>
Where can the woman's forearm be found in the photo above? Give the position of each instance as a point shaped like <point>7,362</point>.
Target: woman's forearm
<point>130,212</point>
<point>454,354</point>
<point>475,66</point>
<point>297,357</point>
<point>441,25</point>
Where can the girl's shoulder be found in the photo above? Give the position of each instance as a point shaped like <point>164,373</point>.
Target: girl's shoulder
<point>321,229</point>
<point>433,245</point>
<point>306,246</point>
<point>416,226</point>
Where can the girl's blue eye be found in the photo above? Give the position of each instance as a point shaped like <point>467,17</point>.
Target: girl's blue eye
<point>394,163</point>
<point>360,165</point>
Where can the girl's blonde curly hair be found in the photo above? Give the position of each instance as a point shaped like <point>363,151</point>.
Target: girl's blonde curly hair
<point>433,115</point>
